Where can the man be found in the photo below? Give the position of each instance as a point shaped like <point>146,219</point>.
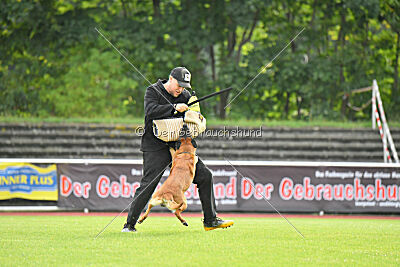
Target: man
<point>161,100</point>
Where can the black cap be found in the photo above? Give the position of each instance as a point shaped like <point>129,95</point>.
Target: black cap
<point>182,75</point>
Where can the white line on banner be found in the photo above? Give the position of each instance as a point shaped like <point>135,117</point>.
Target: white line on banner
<point>207,162</point>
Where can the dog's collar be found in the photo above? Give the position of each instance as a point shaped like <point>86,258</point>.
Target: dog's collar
<point>185,153</point>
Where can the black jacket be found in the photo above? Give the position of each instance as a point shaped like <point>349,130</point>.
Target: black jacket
<point>157,107</point>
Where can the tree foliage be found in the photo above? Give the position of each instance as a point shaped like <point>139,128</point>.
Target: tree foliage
<point>54,63</point>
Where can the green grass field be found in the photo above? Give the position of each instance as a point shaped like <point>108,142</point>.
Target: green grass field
<point>163,241</point>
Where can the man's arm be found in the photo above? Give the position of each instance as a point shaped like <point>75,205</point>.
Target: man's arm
<point>153,109</point>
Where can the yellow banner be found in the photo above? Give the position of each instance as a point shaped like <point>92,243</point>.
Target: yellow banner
<point>24,180</point>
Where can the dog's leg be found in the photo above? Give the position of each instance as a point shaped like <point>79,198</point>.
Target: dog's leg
<point>178,215</point>
<point>144,216</point>
<point>180,209</point>
<point>153,202</point>
<point>184,204</point>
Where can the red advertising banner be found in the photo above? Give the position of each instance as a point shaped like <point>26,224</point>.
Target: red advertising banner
<point>289,188</point>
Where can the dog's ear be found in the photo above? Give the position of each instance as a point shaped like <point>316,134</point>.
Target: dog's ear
<point>194,143</point>
<point>178,145</point>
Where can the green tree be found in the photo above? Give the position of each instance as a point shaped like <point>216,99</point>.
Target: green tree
<point>53,62</point>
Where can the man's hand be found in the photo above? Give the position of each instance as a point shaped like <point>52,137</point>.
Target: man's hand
<point>181,107</point>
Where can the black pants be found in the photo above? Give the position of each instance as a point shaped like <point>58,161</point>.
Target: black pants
<point>153,164</point>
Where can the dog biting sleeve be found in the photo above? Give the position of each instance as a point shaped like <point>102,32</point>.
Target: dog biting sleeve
<point>168,129</point>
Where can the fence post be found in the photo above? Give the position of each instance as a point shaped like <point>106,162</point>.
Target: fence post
<point>384,123</point>
<point>373,107</point>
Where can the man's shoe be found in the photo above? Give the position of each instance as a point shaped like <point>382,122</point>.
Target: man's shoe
<point>128,228</point>
<point>217,223</point>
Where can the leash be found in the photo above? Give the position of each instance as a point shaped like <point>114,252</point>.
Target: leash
<point>210,95</point>
<point>266,199</point>
<point>134,198</point>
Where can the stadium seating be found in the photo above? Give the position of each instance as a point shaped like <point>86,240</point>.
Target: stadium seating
<point>55,140</point>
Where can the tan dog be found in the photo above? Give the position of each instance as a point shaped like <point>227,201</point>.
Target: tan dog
<point>172,193</point>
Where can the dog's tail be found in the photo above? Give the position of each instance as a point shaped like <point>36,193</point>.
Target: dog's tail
<point>170,203</point>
